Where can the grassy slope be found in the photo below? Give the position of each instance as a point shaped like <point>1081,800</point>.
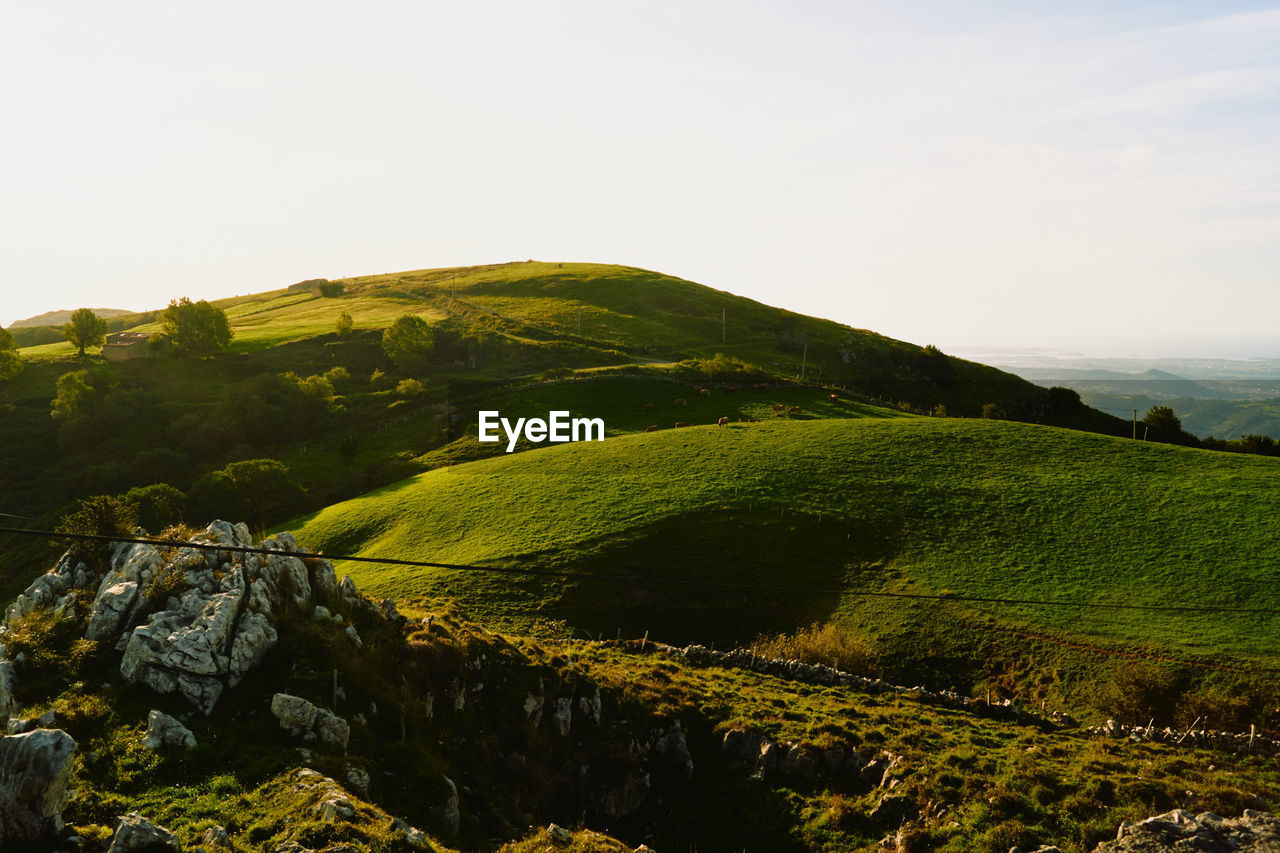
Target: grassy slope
<point>979,508</point>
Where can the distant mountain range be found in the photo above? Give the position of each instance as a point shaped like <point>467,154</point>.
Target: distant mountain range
<point>57,318</point>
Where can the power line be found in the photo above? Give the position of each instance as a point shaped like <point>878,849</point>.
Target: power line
<point>700,582</point>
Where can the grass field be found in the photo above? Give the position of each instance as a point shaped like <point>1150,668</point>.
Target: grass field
<point>820,510</point>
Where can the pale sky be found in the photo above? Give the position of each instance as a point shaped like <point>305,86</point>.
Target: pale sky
<point>936,171</point>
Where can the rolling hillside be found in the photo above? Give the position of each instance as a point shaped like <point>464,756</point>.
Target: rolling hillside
<point>806,515</point>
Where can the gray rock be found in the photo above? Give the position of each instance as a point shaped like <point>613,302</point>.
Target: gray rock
<point>447,812</point>
<point>358,780</point>
<point>136,834</point>
<point>893,809</point>
<point>215,836</point>
<point>1252,832</point>
<point>8,681</point>
<point>798,761</point>
<point>562,717</point>
<point>163,730</point>
<point>335,808</point>
<point>34,769</point>
<point>110,609</point>
<point>673,746</point>
<point>301,718</point>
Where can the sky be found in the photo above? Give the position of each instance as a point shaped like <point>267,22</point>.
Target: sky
<point>952,172</point>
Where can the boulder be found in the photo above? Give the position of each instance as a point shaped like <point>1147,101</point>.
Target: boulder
<point>303,719</point>
<point>136,834</point>
<point>447,812</point>
<point>215,836</point>
<point>163,730</point>
<point>34,769</point>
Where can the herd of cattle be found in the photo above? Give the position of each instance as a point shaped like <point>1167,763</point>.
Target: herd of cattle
<point>779,410</point>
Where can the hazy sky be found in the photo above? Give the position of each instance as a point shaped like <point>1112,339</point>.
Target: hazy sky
<point>937,171</point>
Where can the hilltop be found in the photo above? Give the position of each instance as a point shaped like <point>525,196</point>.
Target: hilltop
<point>57,318</point>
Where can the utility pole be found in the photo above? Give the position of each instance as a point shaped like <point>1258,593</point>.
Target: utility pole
<point>804,360</point>
<point>1135,424</point>
<point>722,311</point>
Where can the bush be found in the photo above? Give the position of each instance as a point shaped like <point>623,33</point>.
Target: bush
<point>345,325</point>
<point>100,515</point>
<point>331,289</point>
<point>157,506</point>
<point>821,644</point>
<point>409,388</point>
<point>256,491</point>
<point>1139,692</point>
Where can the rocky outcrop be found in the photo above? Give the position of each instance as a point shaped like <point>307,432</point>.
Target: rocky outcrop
<point>34,768</point>
<point>303,719</point>
<point>760,757</point>
<point>163,730</point>
<point>1252,832</point>
<point>136,834</point>
<point>191,620</point>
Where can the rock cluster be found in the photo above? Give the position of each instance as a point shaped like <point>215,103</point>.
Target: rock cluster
<point>1252,832</point>
<point>763,758</point>
<point>189,620</point>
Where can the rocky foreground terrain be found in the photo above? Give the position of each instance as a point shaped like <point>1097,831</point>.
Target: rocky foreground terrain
<point>226,696</point>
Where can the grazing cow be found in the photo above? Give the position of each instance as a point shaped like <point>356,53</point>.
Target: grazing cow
<point>779,409</point>
<point>730,390</point>
<point>704,392</point>
<point>648,407</point>
<point>651,428</point>
<point>752,421</point>
<point>680,403</point>
<point>833,397</point>
<point>682,424</point>
<point>722,422</point>
<point>762,386</point>
<point>794,410</point>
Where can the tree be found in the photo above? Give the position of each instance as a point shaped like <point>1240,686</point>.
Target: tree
<point>86,329</point>
<point>331,289</point>
<point>257,491</point>
<point>409,343</point>
<point>1162,419</point>
<point>197,328</point>
<point>10,361</point>
<point>81,394</point>
<point>345,324</point>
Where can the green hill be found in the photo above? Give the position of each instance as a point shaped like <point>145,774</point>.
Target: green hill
<point>804,516</point>
<point>344,418</point>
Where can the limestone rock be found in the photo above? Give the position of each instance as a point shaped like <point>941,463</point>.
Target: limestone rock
<point>136,834</point>
<point>8,680</point>
<point>447,812</point>
<point>215,836</point>
<point>163,730</point>
<point>34,769</point>
<point>673,746</point>
<point>110,609</point>
<point>562,717</point>
<point>1252,832</point>
<point>303,719</point>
